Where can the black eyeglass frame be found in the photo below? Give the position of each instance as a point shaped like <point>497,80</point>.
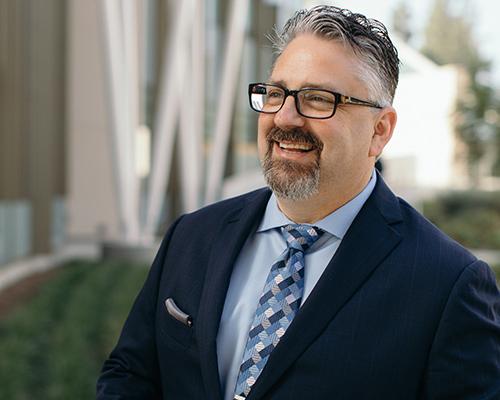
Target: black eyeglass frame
<point>339,99</point>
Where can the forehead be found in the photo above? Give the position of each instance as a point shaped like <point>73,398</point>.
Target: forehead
<point>309,60</point>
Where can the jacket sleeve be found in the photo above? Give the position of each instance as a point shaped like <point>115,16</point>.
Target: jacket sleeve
<point>464,362</point>
<point>132,370</point>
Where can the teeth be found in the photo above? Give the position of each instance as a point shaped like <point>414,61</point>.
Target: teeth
<point>295,146</point>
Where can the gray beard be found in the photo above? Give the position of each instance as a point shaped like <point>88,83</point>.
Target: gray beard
<point>290,180</point>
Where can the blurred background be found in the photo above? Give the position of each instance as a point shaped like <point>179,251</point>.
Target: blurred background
<point>116,116</point>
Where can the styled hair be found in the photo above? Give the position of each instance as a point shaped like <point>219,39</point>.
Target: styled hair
<point>368,38</point>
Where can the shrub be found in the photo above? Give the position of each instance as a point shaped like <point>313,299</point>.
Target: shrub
<point>53,347</point>
<point>471,218</point>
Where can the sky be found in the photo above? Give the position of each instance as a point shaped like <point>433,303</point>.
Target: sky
<point>487,28</point>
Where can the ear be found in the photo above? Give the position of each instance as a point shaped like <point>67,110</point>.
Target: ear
<point>382,130</point>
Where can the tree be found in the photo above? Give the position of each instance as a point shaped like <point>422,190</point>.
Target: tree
<point>401,18</point>
<point>449,39</point>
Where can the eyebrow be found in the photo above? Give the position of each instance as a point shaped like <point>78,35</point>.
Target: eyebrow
<point>311,85</point>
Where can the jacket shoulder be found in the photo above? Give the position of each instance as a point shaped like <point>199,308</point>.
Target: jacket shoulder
<point>432,241</point>
<point>207,220</point>
<point>229,206</point>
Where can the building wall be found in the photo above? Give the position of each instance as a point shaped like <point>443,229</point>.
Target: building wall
<point>90,198</point>
<point>32,119</point>
<point>422,150</point>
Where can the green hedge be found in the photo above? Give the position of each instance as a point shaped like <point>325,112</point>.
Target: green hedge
<point>54,346</point>
<point>472,218</point>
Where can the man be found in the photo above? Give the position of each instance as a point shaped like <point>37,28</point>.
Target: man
<point>328,287</point>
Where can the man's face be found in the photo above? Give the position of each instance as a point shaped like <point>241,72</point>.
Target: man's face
<point>304,157</point>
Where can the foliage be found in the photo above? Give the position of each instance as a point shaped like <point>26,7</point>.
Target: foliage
<point>496,270</point>
<point>472,218</point>
<point>449,39</point>
<point>54,346</point>
<point>401,21</point>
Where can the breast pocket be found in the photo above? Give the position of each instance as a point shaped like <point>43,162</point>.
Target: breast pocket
<point>175,324</point>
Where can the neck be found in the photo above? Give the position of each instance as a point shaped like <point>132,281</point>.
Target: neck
<point>328,200</point>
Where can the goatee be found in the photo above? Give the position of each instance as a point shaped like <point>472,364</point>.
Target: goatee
<point>290,179</point>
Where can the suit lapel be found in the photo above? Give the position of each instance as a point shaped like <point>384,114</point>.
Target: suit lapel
<point>368,241</point>
<point>238,225</point>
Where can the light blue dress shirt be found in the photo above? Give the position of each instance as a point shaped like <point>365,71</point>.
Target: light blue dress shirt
<point>249,275</point>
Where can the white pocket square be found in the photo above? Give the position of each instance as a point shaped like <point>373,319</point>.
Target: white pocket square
<point>177,313</point>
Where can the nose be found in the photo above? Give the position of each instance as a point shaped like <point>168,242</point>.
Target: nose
<point>288,117</point>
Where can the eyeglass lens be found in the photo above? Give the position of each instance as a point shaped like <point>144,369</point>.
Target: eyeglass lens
<point>314,103</point>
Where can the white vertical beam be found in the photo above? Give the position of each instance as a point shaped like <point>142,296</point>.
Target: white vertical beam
<point>114,63</point>
<point>199,54</point>
<point>192,117</point>
<point>186,141</point>
<point>166,117</point>
<point>235,41</point>
<point>131,115</point>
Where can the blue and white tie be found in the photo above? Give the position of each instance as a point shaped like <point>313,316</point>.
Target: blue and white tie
<point>278,304</point>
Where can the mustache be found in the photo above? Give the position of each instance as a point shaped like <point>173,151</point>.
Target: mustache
<point>294,135</point>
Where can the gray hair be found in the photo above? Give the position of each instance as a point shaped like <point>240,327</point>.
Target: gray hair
<point>368,38</point>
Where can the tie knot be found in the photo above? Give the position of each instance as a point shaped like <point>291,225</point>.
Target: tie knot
<point>301,237</point>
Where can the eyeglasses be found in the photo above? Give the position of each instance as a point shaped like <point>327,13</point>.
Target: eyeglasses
<point>309,102</point>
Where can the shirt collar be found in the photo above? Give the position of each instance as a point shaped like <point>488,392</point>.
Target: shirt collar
<point>337,223</point>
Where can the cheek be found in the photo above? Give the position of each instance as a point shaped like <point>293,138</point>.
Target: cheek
<point>265,124</point>
<point>261,148</point>
<point>332,137</point>
<point>339,144</point>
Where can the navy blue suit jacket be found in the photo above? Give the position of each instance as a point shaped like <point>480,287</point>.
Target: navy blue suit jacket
<point>401,312</point>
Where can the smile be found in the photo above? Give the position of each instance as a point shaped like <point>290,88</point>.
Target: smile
<point>295,147</point>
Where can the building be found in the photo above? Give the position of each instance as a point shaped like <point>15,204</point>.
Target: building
<point>32,126</point>
<point>58,165</point>
<point>425,153</point>
<point>79,149</point>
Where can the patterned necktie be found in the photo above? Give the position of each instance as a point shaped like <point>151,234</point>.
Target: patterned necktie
<point>278,304</point>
